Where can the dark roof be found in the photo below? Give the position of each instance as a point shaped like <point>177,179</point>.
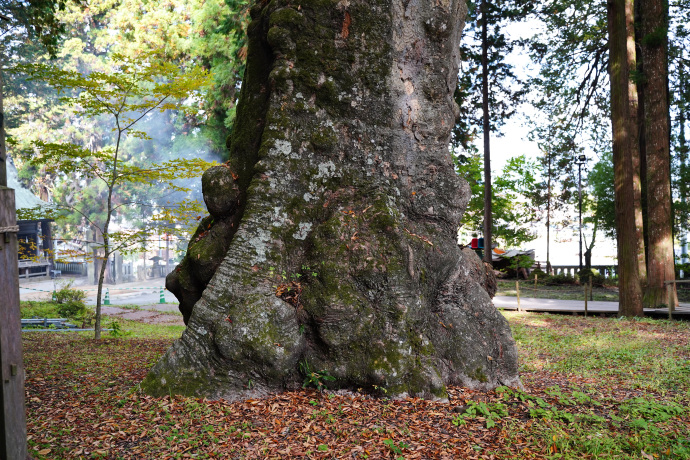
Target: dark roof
<point>23,197</point>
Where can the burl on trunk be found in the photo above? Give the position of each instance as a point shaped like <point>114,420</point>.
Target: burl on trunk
<point>331,244</point>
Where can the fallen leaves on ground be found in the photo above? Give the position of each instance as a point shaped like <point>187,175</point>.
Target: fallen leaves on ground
<point>83,402</point>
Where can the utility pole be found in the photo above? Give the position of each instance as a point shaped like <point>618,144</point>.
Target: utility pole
<point>581,160</point>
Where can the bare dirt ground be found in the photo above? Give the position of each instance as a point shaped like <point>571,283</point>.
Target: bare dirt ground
<point>143,315</point>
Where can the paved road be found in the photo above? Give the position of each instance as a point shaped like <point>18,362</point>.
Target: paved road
<point>138,293</point>
<point>147,293</point>
<point>528,303</point>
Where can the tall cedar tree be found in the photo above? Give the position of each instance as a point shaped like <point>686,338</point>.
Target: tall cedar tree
<point>572,53</point>
<point>620,14</point>
<point>488,251</point>
<point>655,188</point>
<point>681,210</point>
<point>488,93</point>
<point>659,230</point>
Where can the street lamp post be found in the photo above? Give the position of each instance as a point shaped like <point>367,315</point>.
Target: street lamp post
<point>579,162</point>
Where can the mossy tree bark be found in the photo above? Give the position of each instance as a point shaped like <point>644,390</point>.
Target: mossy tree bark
<point>331,245</point>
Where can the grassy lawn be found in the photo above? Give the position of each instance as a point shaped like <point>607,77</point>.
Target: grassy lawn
<point>595,388</point>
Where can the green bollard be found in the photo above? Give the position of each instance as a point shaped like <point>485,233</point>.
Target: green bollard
<point>54,298</point>
<point>106,301</point>
<point>162,296</point>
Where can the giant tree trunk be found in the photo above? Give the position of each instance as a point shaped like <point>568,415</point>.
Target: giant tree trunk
<point>660,263</point>
<point>625,152</point>
<point>331,248</point>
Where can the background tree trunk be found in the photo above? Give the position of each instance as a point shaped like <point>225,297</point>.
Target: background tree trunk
<point>3,150</point>
<point>624,153</point>
<point>548,215</point>
<point>683,167</point>
<point>635,109</point>
<point>660,262</point>
<point>488,217</point>
<point>331,247</point>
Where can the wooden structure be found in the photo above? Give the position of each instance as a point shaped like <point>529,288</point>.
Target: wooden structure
<point>13,419</point>
<point>597,307</point>
<point>35,236</point>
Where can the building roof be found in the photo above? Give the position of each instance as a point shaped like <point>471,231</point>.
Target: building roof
<point>23,197</point>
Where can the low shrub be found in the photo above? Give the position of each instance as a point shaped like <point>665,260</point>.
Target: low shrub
<point>559,280</point>
<point>73,309</point>
<point>539,273</point>
<point>70,302</point>
<point>67,294</point>
<point>598,280</point>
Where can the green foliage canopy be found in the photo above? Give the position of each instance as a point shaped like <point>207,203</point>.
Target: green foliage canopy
<point>513,212</point>
<point>132,91</point>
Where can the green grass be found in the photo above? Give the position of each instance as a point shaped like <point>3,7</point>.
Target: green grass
<point>626,384</point>
<point>139,330</point>
<point>124,327</point>
<point>39,309</point>
<point>642,352</point>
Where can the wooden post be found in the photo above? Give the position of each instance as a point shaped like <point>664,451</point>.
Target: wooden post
<point>517,292</point>
<point>535,281</point>
<point>48,251</point>
<point>12,415</point>
<point>669,291</point>
<point>591,289</point>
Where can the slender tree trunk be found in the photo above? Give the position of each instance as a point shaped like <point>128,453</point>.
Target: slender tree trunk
<point>589,247</point>
<point>96,254</point>
<point>167,254</point>
<point>630,300</point>
<point>99,293</point>
<point>488,218</point>
<point>144,257</point>
<point>660,261</point>
<point>548,214</point>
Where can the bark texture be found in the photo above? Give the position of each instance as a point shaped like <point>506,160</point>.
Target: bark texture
<point>3,151</point>
<point>331,243</point>
<point>625,156</point>
<point>660,263</point>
